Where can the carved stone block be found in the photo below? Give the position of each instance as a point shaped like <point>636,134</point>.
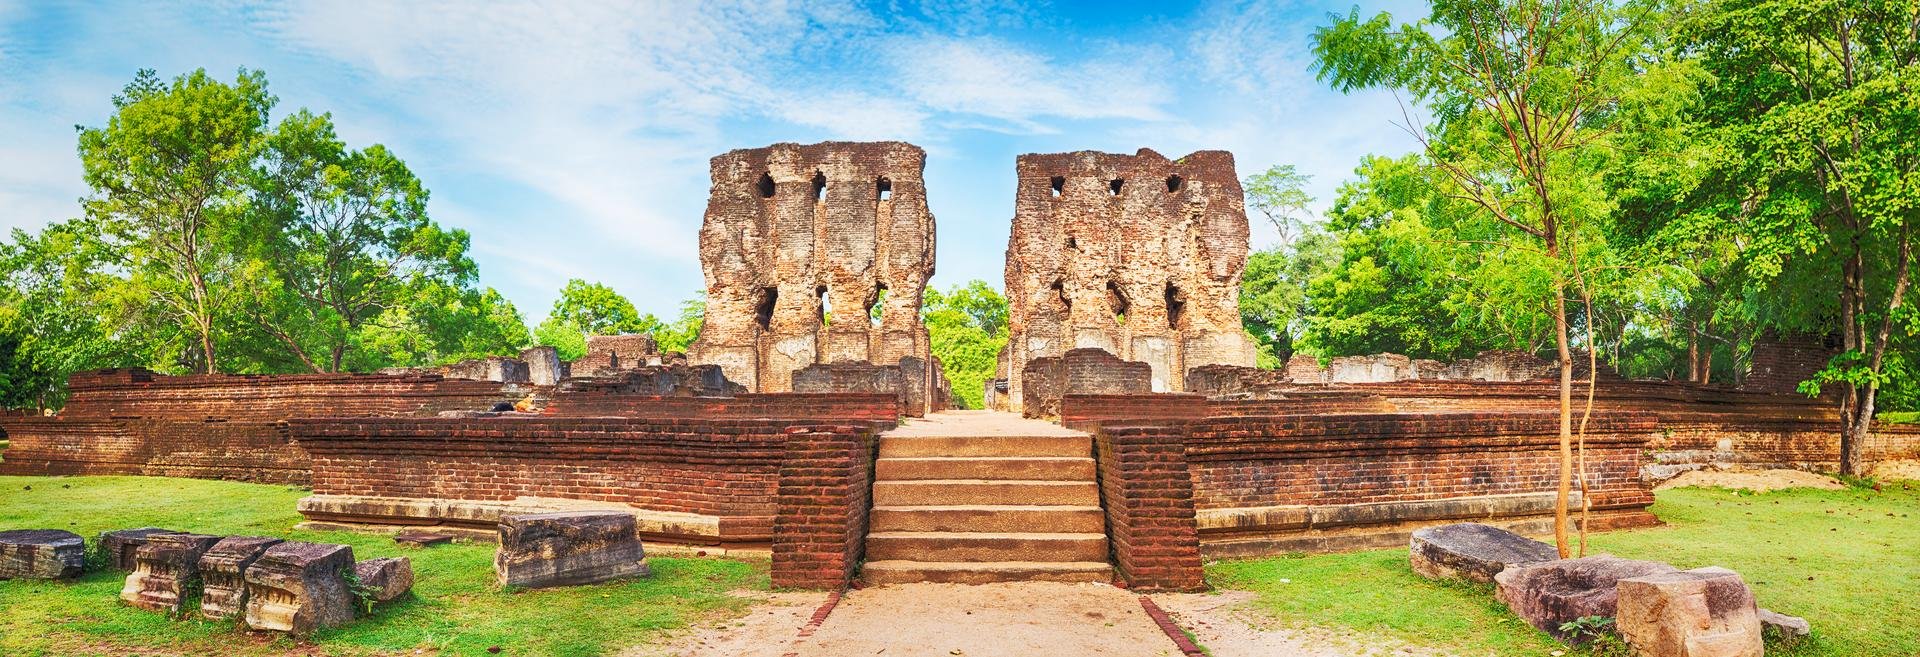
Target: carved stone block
<point>300,587</point>
<point>223,570</point>
<point>1548,594</point>
<point>41,554</point>
<point>120,544</point>
<point>568,549</point>
<point>166,571</point>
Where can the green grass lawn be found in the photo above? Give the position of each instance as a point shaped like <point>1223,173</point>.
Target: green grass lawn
<point>456,607</point>
<point>1848,561</point>
<point>1907,417</point>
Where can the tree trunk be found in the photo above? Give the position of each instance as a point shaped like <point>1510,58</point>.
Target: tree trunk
<point>1856,433</point>
<point>1566,423</point>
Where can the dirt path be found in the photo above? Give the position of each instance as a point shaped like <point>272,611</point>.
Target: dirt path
<point>1225,624</point>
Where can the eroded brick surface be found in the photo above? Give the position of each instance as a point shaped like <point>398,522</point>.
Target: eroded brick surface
<point>1137,254</point>
<point>792,231</point>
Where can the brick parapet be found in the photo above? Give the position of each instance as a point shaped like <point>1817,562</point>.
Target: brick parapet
<point>1148,495</point>
<point>823,500</point>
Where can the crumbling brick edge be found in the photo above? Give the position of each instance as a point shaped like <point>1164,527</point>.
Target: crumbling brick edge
<point>1148,496</point>
<point>823,499</point>
<point>1180,639</point>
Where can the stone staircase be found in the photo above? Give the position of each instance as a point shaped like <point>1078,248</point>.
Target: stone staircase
<point>977,496</point>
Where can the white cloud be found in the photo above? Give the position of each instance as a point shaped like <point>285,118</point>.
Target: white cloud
<point>989,78</point>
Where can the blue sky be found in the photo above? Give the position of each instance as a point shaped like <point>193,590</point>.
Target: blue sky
<point>572,140</point>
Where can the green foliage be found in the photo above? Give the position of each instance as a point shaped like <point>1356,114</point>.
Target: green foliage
<point>679,334</point>
<point>967,327</point>
<point>585,309</point>
<point>1273,288</point>
<point>1280,195</point>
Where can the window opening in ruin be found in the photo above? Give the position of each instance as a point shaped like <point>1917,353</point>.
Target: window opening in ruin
<point>763,312</point>
<point>766,185</point>
<point>1071,244</point>
<point>1114,187</point>
<point>826,307</point>
<point>819,186</point>
<point>883,188</point>
<point>876,304</point>
<point>1176,304</point>
<point>1117,300</point>
<point>1059,185</point>
<point>1173,183</point>
<point>1059,288</point>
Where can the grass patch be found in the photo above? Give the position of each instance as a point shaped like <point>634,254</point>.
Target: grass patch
<point>456,608</point>
<point>1847,560</point>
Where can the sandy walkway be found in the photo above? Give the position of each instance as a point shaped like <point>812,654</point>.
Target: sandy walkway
<point>1225,624</point>
<point>1754,480</point>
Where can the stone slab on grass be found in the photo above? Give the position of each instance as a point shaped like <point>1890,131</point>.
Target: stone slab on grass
<point>119,544</point>
<point>1704,612</point>
<point>568,549</point>
<point>1789,629</point>
<point>1473,551</point>
<point>1551,593</point>
<point>300,587</point>
<point>41,554</point>
<point>223,569</point>
<point>386,578</point>
<point>166,571</point>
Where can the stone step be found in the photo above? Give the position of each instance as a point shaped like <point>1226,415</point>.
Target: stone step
<point>985,467</point>
<point>985,546</point>
<point>952,492</point>
<point>1056,446</point>
<point>988,518</point>
<point>973,572</point>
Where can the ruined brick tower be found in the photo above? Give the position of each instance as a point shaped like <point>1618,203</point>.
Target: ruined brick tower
<point>1135,254</point>
<point>814,254</point>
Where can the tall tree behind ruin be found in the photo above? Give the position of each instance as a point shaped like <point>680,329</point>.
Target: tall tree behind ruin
<point>1519,92</point>
<point>168,175</point>
<point>1810,115</point>
<point>342,237</point>
<point>1273,289</point>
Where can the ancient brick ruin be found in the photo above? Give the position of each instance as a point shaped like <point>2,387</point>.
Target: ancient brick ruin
<point>773,434</point>
<point>816,254</point>
<point>1137,255</point>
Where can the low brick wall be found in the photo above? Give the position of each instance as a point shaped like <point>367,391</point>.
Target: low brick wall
<point>799,405</point>
<point>823,502</point>
<point>690,481</point>
<point>1322,473</point>
<point>1148,495</point>
<point>215,426</point>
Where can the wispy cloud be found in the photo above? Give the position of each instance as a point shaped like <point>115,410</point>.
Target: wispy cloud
<point>985,77</point>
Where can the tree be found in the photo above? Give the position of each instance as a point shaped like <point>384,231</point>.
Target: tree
<point>966,327</point>
<point>680,334</point>
<point>1520,90</point>
<point>339,236</point>
<point>585,309</point>
<point>1280,195</point>
<point>168,175</point>
<point>53,319</point>
<point>1811,112</point>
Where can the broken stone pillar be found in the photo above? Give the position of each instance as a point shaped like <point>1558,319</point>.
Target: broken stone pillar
<point>1550,593</point>
<point>120,544</point>
<point>1470,550</point>
<point>223,570</point>
<point>300,587</point>
<point>385,578</point>
<point>1136,255</point>
<point>568,549</point>
<point>814,254</point>
<point>166,571</point>
<point>1704,612</point>
<point>41,554</point>
<point>543,365</point>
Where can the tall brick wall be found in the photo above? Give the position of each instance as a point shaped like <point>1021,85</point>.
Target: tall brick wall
<point>216,426</point>
<point>823,500</point>
<point>1148,495</point>
<point>1781,362</point>
<point>1139,255</point>
<point>1085,371</point>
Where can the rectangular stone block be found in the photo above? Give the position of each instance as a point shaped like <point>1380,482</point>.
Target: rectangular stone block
<point>300,587</point>
<point>41,554</point>
<point>386,578</point>
<point>568,549</point>
<point>120,544</point>
<point>223,570</point>
<point>1704,612</point>
<point>166,571</point>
